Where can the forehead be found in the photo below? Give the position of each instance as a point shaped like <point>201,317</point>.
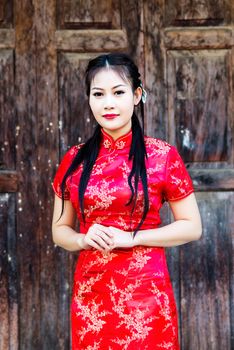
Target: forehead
<point>107,77</point>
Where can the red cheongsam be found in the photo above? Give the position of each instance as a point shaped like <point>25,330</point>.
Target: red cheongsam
<point>123,300</point>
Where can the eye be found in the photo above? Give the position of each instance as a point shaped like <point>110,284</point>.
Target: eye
<point>119,92</point>
<point>97,94</point>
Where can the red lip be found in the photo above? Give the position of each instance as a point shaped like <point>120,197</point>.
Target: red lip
<point>110,116</point>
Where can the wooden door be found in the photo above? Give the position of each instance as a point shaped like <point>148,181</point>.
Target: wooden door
<point>184,50</point>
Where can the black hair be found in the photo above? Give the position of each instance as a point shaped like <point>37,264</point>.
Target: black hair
<point>87,155</point>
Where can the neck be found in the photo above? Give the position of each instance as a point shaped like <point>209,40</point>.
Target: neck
<point>115,134</point>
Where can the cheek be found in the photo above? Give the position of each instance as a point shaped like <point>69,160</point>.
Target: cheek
<point>92,105</point>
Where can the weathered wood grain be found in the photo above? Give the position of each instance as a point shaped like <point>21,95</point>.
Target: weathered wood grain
<point>7,38</point>
<point>75,118</point>
<point>28,244</point>
<point>197,13</point>
<point>6,13</point>
<point>192,38</point>
<point>4,305</point>
<point>205,277</point>
<point>9,279</point>
<point>154,68</point>
<point>8,181</point>
<point>55,286</point>
<point>213,179</point>
<point>89,14</point>
<point>199,94</point>
<point>7,112</point>
<point>91,40</point>
<point>133,27</point>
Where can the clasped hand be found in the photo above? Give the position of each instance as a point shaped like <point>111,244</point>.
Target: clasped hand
<point>107,238</point>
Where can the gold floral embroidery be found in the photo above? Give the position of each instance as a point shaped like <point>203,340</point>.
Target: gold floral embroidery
<point>156,147</point>
<point>86,287</point>
<point>162,301</point>
<point>99,259</point>
<point>125,170</point>
<point>120,144</point>
<point>138,260</point>
<point>95,346</point>
<point>122,223</point>
<point>101,192</point>
<point>92,316</point>
<point>165,345</point>
<point>107,143</point>
<point>100,219</point>
<point>134,320</point>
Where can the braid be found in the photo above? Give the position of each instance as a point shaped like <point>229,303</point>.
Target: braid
<point>138,155</point>
<point>126,68</point>
<point>88,155</point>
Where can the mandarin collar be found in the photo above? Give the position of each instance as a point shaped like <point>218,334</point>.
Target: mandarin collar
<point>121,142</point>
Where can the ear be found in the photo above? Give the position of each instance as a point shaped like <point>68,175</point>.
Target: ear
<point>137,95</point>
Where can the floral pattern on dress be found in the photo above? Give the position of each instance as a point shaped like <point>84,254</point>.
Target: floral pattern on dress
<point>124,299</point>
<point>138,260</point>
<point>134,320</point>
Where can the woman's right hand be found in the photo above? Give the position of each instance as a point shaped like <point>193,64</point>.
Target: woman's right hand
<point>98,237</point>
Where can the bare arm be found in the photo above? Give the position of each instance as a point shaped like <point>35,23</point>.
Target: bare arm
<point>65,236</point>
<point>186,227</point>
<point>63,232</point>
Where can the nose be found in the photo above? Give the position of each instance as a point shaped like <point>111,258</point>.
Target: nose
<point>109,102</point>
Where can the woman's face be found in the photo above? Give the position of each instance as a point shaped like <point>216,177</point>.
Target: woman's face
<point>112,102</point>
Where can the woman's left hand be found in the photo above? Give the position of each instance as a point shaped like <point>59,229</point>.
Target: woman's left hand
<point>121,239</point>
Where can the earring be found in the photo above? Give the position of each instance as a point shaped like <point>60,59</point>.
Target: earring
<point>144,93</point>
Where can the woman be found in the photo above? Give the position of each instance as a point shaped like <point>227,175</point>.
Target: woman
<point>116,184</point>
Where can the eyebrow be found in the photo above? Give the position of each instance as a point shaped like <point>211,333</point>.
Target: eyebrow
<point>97,88</point>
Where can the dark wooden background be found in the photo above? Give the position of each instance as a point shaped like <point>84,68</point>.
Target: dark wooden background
<point>185,53</point>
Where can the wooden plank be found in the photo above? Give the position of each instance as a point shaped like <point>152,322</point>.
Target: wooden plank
<point>28,244</point>
<point>133,24</point>
<point>199,85</point>
<point>8,181</point>
<point>13,277</point>
<point>54,262</point>
<point>96,14</point>
<point>155,108</point>
<point>193,38</point>
<point>213,179</point>
<point>91,40</point>
<point>7,111</point>
<point>73,101</point>
<point>7,38</point>
<point>206,269</point>
<point>198,13</point>
<point>9,304</point>
<point>6,13</point>
<point>4,304</point>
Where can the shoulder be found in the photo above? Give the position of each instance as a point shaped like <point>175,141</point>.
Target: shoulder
<point>73,150</point>
<point>70,154</point>
<point>155,146</point>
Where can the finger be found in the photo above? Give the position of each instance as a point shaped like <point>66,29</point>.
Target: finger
<point>101,242</point>
<point>104,229</point>
<point>96,237</point>
<point>104,236</point>
<point>94,244</point>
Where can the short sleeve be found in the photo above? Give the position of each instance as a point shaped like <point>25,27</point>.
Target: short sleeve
<point>178,183</point>
<point>61,171</point>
